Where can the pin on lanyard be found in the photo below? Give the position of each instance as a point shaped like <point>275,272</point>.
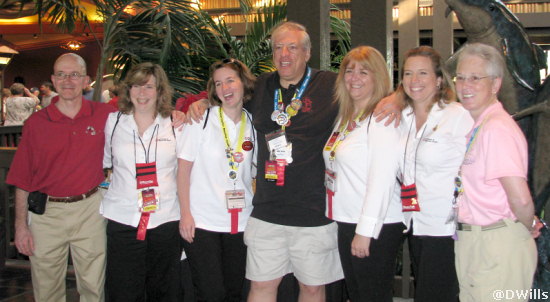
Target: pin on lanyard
<point>344,131</point>
<point>234,158</point>
<point>292,109</point>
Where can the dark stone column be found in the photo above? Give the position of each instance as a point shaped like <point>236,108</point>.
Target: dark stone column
<point>315,16</point>
<point>408,27</point>
<point>371,24</point>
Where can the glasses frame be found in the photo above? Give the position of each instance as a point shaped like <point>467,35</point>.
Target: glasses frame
<point>473,79</point>
<point>73,75</point>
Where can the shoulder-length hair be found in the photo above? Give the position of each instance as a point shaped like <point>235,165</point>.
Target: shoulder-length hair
<point>370,59</point>
<point>139,75</point>
<point>247,78</point>
<point>445,93</point>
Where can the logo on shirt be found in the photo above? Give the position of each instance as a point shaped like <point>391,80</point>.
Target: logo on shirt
<point>90,130</point>
<point>306,104</point>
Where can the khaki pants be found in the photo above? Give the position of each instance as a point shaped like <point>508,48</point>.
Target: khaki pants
<point>496,264</point>
<point>77,226</point>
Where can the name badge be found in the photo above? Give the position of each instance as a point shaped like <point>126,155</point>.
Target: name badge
<point>235,199</point>
<point>278,146</point>
<point>276,140</point>
<point>148,200</point>
<point>330,180</point>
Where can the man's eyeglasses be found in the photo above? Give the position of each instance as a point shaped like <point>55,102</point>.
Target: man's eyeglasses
<point>72,76</point>
<point>471,79</point>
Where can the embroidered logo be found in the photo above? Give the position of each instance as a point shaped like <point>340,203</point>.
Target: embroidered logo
<point>90,130</point>
<point>306,104</point>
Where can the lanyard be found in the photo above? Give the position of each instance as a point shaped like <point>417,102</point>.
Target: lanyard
<point>415,151</point>
<point>343,133</point>
<point>278,105</point>
<point>147,151</point>
<point>473,138</point>
<point>459,189</point>
<point>234,158</point>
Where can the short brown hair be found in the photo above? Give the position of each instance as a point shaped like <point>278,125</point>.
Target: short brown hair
<point>17,88</point>
<point>139,75</point>
<point>247,78</point>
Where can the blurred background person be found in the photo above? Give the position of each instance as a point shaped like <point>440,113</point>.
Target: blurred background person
<point>113,95</point>
<point>495,249</point>
<point>141,204</point>
<point>20,105</point>
<point>5,94</point>
<point>35,91</point>
<point>48,92</point>
<point>361,159</point>
<point>215,171</point>
<point>433,147</point>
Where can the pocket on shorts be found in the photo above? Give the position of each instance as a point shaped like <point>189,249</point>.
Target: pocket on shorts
<point>327,239</point>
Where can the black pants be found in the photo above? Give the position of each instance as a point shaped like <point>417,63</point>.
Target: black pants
<point>370,279</point>
<point>433,260</point>
<point>142,270</point>
<point>217,263</point>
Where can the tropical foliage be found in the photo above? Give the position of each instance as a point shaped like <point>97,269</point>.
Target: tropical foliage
<point>178,36</point>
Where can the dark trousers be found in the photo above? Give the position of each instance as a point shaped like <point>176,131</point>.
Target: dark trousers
<point>433,260</point>
<point>142,270</point>
<point>370,279</point>
<point>217,263</point>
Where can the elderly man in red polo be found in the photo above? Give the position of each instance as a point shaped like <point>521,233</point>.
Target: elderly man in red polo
<point>61,155</point>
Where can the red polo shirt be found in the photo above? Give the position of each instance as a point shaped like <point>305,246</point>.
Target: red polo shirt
<point>61,156</point>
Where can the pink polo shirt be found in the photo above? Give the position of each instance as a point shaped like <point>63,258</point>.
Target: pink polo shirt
<point>499,150</point>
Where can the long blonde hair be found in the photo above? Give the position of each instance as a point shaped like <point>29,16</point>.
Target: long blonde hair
<point>374,62</point>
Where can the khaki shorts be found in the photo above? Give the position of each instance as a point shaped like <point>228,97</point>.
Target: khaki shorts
<point>311,253</point>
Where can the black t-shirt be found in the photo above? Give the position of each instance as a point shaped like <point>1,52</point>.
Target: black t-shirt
<point>301,201</point>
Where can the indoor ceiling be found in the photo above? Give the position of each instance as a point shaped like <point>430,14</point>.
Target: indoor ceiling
<point>19,28</point>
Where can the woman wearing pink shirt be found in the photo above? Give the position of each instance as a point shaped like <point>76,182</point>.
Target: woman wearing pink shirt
<point>495,251</point>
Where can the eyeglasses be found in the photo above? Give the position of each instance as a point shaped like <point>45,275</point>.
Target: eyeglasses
<point>471,79</point>
<point>73,76</point>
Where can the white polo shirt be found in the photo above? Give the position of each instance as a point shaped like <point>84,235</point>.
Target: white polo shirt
<point>366,168</point>
<point>121,200</point>
<point>440,145</point>
<point>209,175</point>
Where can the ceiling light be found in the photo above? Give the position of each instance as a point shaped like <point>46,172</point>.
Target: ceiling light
<point>72,45</point>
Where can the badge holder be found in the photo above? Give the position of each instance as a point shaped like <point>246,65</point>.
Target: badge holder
<point>148,195</point>
<point>409,198</point>
<point>280,156</point>
<point>235,204</point>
